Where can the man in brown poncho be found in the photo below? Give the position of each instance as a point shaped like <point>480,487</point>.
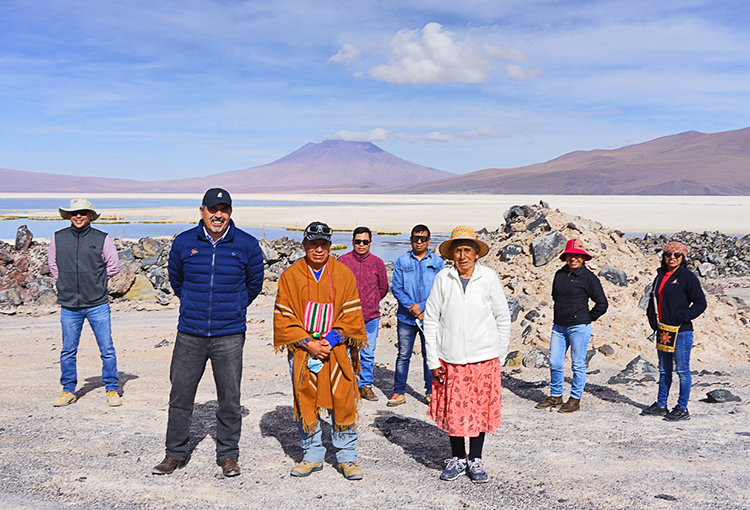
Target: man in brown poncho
<point>318,320</point>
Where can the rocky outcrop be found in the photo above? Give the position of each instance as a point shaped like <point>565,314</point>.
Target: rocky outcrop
<point>25,278</point>
<point>711,254</point>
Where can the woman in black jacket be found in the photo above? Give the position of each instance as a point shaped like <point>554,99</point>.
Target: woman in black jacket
<point>574,285</point>
<point>676,299</point>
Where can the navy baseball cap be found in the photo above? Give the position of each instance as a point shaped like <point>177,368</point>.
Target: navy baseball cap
<point>216,196</point>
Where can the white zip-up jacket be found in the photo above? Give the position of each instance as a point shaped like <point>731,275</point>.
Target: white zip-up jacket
<point>466,327</point>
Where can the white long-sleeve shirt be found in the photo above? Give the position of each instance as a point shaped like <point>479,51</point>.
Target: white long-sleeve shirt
<point>468,326</point>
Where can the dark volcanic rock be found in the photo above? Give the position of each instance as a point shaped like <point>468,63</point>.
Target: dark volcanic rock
<point>614,275</point>
<point>721,396</point>
<point>23,238</point>
<point>547,247</point>
<point>515,308</point>
<point>509,251</point>
<point>638,370</point>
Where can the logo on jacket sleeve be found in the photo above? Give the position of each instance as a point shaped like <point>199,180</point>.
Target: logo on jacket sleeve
<point>194,251</point>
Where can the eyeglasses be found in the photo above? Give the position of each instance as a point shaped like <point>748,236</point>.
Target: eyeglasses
<point>676,255</point>
<point>361,241</point>
<point>82,212</point>
<point>319,229</point>
<point>419,239</point>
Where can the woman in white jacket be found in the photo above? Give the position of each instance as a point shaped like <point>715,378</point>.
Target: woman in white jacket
<point>467,330</point>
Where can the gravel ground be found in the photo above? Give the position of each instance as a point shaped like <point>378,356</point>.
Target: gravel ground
<point>88,455</point>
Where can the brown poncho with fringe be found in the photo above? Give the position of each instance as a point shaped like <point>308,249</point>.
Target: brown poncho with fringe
<point>334,387</point>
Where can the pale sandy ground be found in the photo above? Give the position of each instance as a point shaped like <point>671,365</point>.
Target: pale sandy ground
<point>399,213</point>
<point>88,455</point>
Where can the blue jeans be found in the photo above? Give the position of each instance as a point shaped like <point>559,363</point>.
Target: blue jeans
<point>407,334</point>
<point>186,370</point>
<point>367,354</point>
<point>345,441</point>
<point>681,357</point>
<point>71,320</point>
<point>577,339</point>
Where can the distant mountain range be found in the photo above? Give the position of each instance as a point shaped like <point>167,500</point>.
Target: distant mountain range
<point>689,163</point>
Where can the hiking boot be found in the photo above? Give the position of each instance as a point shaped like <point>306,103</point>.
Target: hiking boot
<point>229,467</point>
<point>306,468</point>
<point>366,393</point>
<point>554,402</point>
<point>454,468</point>
<point>396,400</point>
<point>350,470</point>
<point>65,399</point>
<point>476,471</point>
<point>113,399</point>
<point>571,406</point>
<point>167,466</point>
<point>654,410</point>
<point>677,414</point>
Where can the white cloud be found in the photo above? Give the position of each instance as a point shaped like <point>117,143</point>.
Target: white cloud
<point>347,54</point>
<point>376,135</point>
<point>434,57</point>
<point>440,136</point>
<point>523,73</point>
<point>511,54</point>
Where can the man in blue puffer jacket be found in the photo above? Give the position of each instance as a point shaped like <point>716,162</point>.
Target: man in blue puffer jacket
<point>216,270</point>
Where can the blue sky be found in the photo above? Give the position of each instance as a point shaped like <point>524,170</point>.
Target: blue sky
<point>154,89</point>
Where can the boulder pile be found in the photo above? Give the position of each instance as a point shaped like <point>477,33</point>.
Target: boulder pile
<point>710,254</point>
<point>525,249</point>
<point>25,278</point>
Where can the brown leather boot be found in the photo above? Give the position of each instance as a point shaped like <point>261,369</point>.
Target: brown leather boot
<point>548,402</point>
<point>571,406</point>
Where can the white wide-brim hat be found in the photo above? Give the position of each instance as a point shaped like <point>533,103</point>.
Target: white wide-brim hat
<point>78,204</point>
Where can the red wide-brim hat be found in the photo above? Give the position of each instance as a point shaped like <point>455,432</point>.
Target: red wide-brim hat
<point>575,247</point>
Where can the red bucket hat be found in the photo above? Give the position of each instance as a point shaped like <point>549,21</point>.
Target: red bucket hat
<point>575,247</point>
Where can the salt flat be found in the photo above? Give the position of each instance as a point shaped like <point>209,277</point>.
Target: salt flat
<point>631,213</point>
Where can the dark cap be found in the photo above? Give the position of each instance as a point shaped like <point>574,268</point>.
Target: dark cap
<point>216,196</point>
<point>317,230</point>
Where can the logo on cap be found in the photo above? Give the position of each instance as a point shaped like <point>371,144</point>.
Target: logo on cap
<point>219,195</point>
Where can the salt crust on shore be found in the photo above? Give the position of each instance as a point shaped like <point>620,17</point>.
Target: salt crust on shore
<point>632,213</point>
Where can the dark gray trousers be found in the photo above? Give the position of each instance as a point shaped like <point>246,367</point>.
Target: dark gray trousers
<point>188,364</point>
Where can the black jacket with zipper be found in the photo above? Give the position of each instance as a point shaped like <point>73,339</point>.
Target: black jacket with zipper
<point>571,293</point>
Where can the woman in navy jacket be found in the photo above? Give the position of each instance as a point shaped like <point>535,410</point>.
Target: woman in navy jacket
<point>676,299</point>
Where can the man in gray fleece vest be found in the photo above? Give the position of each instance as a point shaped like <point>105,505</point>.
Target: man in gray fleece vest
<point>82,258</point>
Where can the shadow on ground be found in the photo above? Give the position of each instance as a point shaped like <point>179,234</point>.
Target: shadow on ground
<point>383,378</point>
<point>422,441</point>
<point>530,390</point>
<point>281,425</point>
<point>204,424</point>
<point>95,382</point>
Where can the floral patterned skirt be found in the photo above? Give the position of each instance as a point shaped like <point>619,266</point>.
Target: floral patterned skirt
<point>469,401</point>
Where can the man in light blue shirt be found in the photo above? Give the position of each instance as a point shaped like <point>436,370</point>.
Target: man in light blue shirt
<point>413,275</point>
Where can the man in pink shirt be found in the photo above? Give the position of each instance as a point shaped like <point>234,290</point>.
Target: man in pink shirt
<point>372,285</point>
<point>82,258</point>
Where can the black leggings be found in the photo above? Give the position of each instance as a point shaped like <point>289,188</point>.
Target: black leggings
<point>458,446</point>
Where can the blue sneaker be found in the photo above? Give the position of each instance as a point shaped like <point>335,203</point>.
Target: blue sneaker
<point>454,468</point>
<point>476,471</point>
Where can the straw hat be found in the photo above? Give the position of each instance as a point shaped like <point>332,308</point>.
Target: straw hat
<point>463,234</point>
<point>575,247</point>
<point>78,204</point>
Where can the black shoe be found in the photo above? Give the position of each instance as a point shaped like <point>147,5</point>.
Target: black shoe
<point>654,410</point>
<point>677,414</point>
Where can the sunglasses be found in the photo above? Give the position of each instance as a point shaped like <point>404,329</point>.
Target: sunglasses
<point>419,239</point>
<point>319,229</point>
<point>676,255</point>
<point>362,241</point>
<point>82,212</point>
